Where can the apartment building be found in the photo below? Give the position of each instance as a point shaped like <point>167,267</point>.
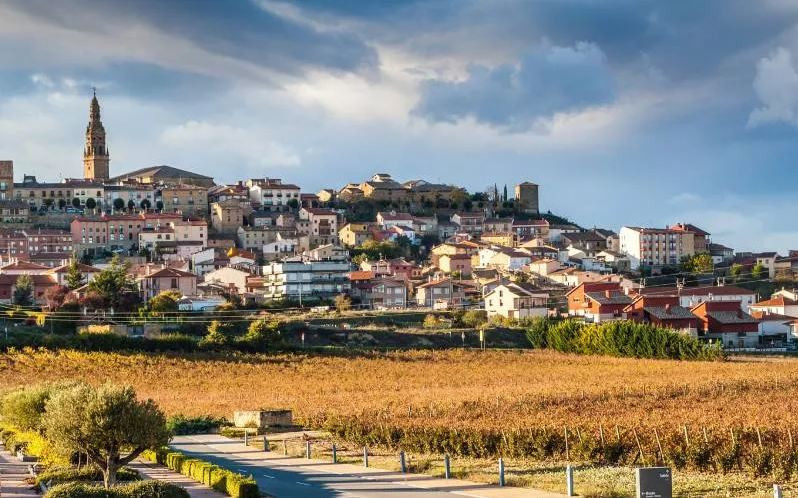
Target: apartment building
<point>271,194</point>
<point>227,215</point>
<point>321,225</point>
<point>188,200</point>
<point>295,279</point>
<point>655,247</point>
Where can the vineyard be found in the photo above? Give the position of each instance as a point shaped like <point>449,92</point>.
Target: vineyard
<point>737,417</point>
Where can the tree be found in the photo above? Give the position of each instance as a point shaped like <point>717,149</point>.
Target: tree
<point>474,318</point>
<point>735,271</point>
<point>698,263</point>
<point>293,203</point>
<point>113,284</point>
<point>757,271</point>
<point>159,205</point>
<point>23,291</point>
<point>343,303</point>
<point>102,423</point>
<point>165,302</point>
<point>119,204</point>
<point>263,332</point>
<point>49,203</point>
<point>145,204</point>
<point>91,203</point>
<point>75,202</point>
<point>62,204</point>
<point>55,296</point>
<point>131,205</point>
<point>74,278</point>
<point>504,196</point>
<point>217,334</point>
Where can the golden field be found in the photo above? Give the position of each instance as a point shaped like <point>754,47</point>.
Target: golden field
<point>473,391</point>
<point>459,388</point>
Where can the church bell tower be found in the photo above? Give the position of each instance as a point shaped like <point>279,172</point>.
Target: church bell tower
<point>95,154</point>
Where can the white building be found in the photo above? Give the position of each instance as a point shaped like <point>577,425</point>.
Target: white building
<point>293,279</point>
<point>655,247</point>
<point>272,194</point>
<point>229,277</point>
<point>516,301</point>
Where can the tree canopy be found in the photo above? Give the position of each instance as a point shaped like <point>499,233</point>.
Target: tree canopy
<point>114,285</point>
<point>22,294</point>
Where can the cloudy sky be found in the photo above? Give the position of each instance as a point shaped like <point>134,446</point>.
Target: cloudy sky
<point>624,111</point>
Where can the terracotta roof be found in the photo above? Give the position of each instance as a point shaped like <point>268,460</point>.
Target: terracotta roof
<point>715,290</point>
<point>41,280</point>
<point>361,275</point>
<point>168,272</point>
<point>23,265</point>
<point>687,227</point>
<point>777,301</point>
<point>83,269</point>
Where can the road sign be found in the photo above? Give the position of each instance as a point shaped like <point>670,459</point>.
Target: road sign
<point>654,482</point>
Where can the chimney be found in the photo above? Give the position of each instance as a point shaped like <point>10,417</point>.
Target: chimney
<point>668,308</point>
<point>607,293</point>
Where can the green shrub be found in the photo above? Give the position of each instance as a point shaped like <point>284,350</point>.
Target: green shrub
<point>140,489</point>
<point>619,338</point>
<point>222,480</point>
<point>182,425</point>
<point>59,475</point>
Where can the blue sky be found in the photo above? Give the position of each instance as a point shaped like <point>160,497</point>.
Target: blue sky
<point>624,111</point>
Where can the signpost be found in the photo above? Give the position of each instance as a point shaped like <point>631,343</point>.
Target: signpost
<point>654,482</point>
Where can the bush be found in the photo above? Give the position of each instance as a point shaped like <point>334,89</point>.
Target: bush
<point>182,425</point>
<point>432,322</point>
<point>59,475</point>
<point>619,338</point>
<point>474,318</point>
<point>141,489</point>
<point>222,480</point>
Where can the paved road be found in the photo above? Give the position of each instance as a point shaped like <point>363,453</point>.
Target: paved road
<point>13,474</point>
<point>285,476</point>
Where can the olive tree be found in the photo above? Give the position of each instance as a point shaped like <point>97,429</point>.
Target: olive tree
<point>107,423</point>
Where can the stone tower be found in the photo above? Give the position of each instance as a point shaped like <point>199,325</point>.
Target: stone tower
<point>95,153</point>
<point>526,196</point>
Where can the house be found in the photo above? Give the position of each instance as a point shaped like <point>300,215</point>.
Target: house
<point>388,220</point>
<point>229,277</point>
<point>615,260</point>
<point>271,194</point>
<point>543,266</point>
<point>727,322</point>
<point>786,267</point>
<point>406,231</point>
<point>662,311</point>
<point>450,248</point>
<point>380,292</point>
<point>503,258</point>
<point>151,283</point>
<point>204,303</point>
<point>530,229</point>
<point>441,294</point>
<point>589,242</point>
<point>397,267</point>
<point>451,263</point>
<point>284,245</point>
<point>516,301</point>
<point>774,329</point>
<point>498,225</point>
<point>472,222</point>
<point>227,216</point>
<point>328,252</point>
<point>598,301</point>
<point>506,239</point>
<point>721,255</point>
<point>321,225</point>
<point>690,296</point>
<point>557,230</point>
<point>354,234</point>
<point>778,304</point>
<point>88,273</point>
<point>41,282</point>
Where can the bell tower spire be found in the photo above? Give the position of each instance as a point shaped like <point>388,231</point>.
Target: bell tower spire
<point>96,158</point>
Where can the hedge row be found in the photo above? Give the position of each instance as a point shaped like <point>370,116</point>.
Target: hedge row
<point>54,476</point>
<point>140,489</point>
<point>222,480</point>
<point>619,338</point>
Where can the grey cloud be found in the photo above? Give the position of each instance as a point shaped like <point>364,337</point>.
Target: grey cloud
<point>776,86</point>
<point>546,81</point>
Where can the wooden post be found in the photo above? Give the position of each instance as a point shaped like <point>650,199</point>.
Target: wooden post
<point>789,435</point>
<point>335,453</point>
<point>285,447</point>
<point>639,446</point>
<point>265,443</point>
<point>661,454</point>
<point>246,437</point>
<point>601,434</point>
<point>731,430</point>
<point>686,437</point>
<point>501,472</point>
<point>447,471</point>
<point>759,437</point>
<point>777,491</point>
<point>402,465</point>
<point>365,456</point>
<point>567,452</point>
<point>307,450</point>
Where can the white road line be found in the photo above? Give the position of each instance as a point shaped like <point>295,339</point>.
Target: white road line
<point>267,476</point>
<point>302,483</point>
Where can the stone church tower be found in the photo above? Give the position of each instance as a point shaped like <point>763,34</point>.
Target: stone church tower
<point>95,153</point>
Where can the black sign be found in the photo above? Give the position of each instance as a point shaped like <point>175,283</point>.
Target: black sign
<point>654,482</point>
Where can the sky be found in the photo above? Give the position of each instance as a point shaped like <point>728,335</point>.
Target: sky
<point>625,112</point>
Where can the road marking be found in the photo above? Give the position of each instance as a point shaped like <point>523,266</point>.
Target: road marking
<point>302,483</point>
<point>267,476</point>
